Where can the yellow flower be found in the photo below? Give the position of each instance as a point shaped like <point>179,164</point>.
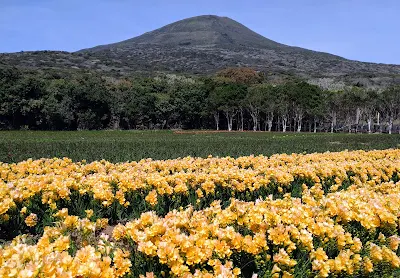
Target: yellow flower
<point>319,255</point>
<point>71,221</point>
<point>368,265</point>
<point>199,193</point>
<point>185,238</point>
<point>23,210</point>
<point>5,217</point>
<point>89,213</point>
<point>236,271</point>
<point>276,269</point>
<point>101,223</point>
<point>151,198</point>
<point>357,245</point>
<point>62,213</point>
<point>148,248</point>
<point>31,220</point>
<point>394,242</point>
<point>287,275</point>
<point>381,238</point>
<point>122,263</point>
<point>282,258</point>
<point>118,232</point>
<point>376,253</point>
<point>53,205</point>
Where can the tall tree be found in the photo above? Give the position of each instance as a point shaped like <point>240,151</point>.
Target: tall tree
<point>371,107</point>
<point>283,107</point>
<point>263,98</point>
<point>254,101</point>
<point>391,103</point>
<point>333,102</point>
<point>58,105</point>
<point>228,97</point>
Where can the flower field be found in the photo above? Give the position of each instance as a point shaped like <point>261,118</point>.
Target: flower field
<point>333,214</point>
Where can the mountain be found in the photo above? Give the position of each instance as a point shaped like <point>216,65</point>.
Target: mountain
<point>200,31</point>
<point>201,45</point>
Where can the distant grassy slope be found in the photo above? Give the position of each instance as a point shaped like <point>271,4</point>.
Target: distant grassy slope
<point>117,146</point>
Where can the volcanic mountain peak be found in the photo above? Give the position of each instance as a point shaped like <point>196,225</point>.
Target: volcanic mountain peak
<point>205,30</point>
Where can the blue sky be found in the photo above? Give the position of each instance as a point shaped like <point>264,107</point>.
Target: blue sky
<point>365,30</point>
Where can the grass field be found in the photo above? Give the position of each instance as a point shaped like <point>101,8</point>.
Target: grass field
<point>117,146</point>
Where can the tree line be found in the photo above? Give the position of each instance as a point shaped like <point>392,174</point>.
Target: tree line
<point>233,99</point>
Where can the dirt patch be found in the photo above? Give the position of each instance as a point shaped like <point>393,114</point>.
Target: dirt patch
<point>108,231</point>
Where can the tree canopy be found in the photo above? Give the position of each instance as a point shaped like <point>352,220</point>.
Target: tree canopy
<point>235,98</point>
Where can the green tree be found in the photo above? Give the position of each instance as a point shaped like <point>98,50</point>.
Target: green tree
<point>262,98</point>
<point>333,102</point>
<point>228,98</point>
<point>391,103</point>
<point>58,105</point>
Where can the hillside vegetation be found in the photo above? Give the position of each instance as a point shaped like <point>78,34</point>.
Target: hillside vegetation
<point>204,45</point>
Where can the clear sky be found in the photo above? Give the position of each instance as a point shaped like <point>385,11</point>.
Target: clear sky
<point>365,30</point>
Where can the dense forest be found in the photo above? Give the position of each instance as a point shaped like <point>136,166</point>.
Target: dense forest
<point>232,99</point>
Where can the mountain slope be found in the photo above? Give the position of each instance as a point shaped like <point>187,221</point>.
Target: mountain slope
<point>202,44</point>
<point>208,30</point>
